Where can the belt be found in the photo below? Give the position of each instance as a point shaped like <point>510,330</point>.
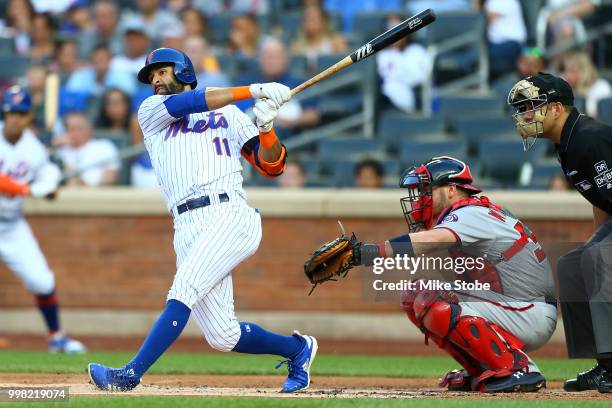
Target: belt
<point>199,202</point>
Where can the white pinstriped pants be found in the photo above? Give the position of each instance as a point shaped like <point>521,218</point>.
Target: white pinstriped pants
<point>21,253</point>
<point>209,243</point>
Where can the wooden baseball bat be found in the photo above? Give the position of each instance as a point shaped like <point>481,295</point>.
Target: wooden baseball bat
<point>387,38</point>
<point>52,85</point>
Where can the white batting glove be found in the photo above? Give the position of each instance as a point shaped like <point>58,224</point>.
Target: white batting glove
<point>265,111</point>
<point>279,93</point>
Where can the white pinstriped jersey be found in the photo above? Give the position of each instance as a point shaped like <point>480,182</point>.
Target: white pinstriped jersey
<point>197,154</point>
<point>26,161</point>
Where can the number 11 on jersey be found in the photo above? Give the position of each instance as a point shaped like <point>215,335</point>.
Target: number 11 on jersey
<point>217,141</point>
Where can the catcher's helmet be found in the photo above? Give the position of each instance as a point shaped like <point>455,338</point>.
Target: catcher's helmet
<point>439,171</point>
<point>16,99</point>
<point>183,68</point>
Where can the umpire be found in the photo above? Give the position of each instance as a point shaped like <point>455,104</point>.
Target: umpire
<point>544,108</point>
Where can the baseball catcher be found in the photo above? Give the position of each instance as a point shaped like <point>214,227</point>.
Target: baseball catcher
<point>487,334</point>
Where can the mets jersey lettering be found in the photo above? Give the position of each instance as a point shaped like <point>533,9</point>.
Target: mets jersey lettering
<point>215,121</point>
<point>196,154</point>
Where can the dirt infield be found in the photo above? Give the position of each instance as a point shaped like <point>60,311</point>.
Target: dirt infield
<point>268,386</point>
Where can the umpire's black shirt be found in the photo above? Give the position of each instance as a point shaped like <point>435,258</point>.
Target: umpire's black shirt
<point>585,153</point>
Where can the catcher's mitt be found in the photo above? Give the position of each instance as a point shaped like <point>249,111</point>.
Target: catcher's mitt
<point>334,258</point>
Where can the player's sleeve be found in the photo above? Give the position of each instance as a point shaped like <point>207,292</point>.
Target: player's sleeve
<point>600,158</point>
<point>47,177</point>
<point>469,224</point>
<point>157,112</point>
<point>247,136</point>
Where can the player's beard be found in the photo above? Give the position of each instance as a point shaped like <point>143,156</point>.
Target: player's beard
<point>171,88</point>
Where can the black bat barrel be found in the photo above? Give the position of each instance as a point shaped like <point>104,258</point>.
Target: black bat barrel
<point>401,30</point>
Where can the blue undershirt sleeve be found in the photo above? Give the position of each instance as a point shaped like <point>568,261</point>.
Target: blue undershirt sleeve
<point>185,103</point>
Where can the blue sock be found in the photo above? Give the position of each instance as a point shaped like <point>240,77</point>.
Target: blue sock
<point>255,340</point>
<point>50,311</point>
<point>165,331</point>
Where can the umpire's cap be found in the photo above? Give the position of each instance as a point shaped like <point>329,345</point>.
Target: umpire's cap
<point>183,68</point>
<point>16,99</point>
<point>553,88</point>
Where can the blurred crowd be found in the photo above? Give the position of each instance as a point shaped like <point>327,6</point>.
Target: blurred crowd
<point>97,47</point>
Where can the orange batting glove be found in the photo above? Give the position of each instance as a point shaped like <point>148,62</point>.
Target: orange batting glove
<point>10,187</point>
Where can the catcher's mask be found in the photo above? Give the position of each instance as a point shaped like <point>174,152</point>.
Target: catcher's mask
<point>439,171</point>
<point>526,98</point>
<point>531,98</point>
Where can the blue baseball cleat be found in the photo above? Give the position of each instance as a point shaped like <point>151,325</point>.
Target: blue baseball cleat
<point>518,381</point>
<point>112,379</point>
<point>299,366</point>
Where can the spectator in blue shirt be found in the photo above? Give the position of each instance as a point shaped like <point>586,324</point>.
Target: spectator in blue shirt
<point>98,77</point>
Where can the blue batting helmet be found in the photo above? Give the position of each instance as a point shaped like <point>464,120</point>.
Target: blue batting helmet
<point>183,68</point>
<point>16,99</point>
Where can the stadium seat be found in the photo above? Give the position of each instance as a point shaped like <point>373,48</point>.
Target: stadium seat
<point>298,66</point>
<point>460,61</point>
<point>414,153</point>
<point>228,63</point>
<point>350,148</point>
<point>119,139</point>
<point>247,66</point>
<point>13,67</point>
<point>127,5</point>
<point>473,130</point>
<point>290,22</point>
<point>503,159</point>
<point>542,172</point>
<point>604,112</point>
<point>394,127</point>
<point>453,24</point>
<point>340,105</point>
<point>219,27</point>
<point>452,108</point>
<point>370,24</point>
<point>6,46</point>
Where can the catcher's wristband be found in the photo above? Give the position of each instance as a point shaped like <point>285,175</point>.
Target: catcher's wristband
<point>240,93</point>
<point>402,245</point>
<point>369,252</point>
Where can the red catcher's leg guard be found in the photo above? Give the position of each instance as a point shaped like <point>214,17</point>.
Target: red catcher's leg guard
<point>441,315</point>
<point>471,366</point>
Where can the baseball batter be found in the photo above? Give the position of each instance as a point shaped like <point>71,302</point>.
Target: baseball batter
<point>486,331</point>
<point>25,170</point>
<point>195,139</point>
